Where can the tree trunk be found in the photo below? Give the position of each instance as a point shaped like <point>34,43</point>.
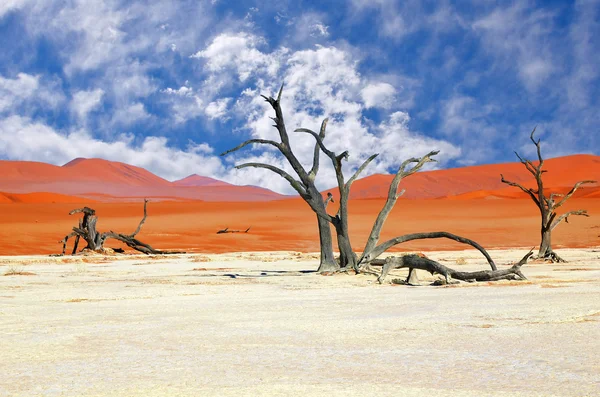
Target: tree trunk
<point>546,244</point>
<point>348,258</point>
<point>328,262</point>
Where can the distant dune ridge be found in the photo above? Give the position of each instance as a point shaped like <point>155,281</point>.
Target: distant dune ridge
<point>483,181</point>
<point>109,181</point>
<point>105,180</point>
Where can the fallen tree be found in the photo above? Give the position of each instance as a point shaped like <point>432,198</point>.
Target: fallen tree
<point>95,240</point>
<point>547,205</point>
<point>413,262</point>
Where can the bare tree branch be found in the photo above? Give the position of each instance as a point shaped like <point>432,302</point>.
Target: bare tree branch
<point>381,248</point>
<point>571,192</point>
<point>137,230</point>
<point>317,152</point>
<point>250,142</point>
<point>329,199</point>
<point>297,185</point>
<point>538,147</point>
<point>360,169</point>
<point>392,198</point>
<point>533,169</point>
<point>565,216</point>
<point>530,192</point>
<point>328,152</point>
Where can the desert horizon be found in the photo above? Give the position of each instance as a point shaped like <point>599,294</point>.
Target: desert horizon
<point>350,198</point>
<point>34,222</point>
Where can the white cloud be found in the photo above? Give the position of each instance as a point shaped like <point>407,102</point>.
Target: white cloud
<point>84,102</point>
<point>7,6</point>
<point>28,90</point>
<point>14,91</point>
<point>131,114</point>
<point>181,91</point>
<point>319,30</point>
<point>218,109</point>
<point>378,95</point>
<point>239,52</point>
<point>517,35</point>
<point>185,104</point>
<point>24,139</point>
<point>320,82</point>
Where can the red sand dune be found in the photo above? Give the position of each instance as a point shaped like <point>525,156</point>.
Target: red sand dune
<point>197,180</point>
<point>562,173</point>
<point>42,198</point>
<point>105,180</point>
<point>31,228</point>
<point>109,181</point>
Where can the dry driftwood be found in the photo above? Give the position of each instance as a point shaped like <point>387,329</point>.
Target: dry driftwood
<point>422,263</point>
<point>226,230</point>
<point>546,205</point>
<point>95,240</point>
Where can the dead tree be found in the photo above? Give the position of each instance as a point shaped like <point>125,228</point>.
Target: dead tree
<point>306,188</point>
<point>95,240</point>
<point>547,205</point>
<point>304,185</point>
<point>348,257</point>
<point>418,262</point>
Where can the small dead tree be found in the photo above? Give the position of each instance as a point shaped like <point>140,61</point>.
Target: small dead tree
<point>547,205</point>
<point>304,185</point>
<point>95,240</point>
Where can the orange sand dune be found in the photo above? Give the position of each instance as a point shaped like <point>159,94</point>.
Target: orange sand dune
<point>113,181</point>
<point>562,172</point>
<point>197,180</point>
<point>32,228</point>
<point>593,192</point>
<point>42,198</point>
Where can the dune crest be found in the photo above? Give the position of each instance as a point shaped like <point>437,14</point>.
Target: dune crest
<point>110,181</point>
<point>484,180</point>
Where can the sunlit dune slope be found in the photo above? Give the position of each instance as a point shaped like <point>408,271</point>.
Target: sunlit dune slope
<point>41,198</point>
<point>105,180</point>
<point>282,225</point>
<point>197,180</point>
<point>484,180</point>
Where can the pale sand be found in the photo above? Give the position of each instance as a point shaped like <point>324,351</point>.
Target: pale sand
<point>253,324</point>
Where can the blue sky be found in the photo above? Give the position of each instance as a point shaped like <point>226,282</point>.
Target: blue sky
<point>169,85</point>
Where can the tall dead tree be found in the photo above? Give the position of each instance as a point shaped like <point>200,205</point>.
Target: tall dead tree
<point>306,188</point>
<point>348,258</point>
<point>95,240</point>
<point>547,205</point>
<point>304,185</point>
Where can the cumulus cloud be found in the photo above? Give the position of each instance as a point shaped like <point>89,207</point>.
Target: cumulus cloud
<point>378,95</point>
<point>24,139</point>
<point>30,90</point>
<point>238,52</point>
<point>84,102</point>
<point>14,91</point>
<point>320,82</point>
<point>217,109</point>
